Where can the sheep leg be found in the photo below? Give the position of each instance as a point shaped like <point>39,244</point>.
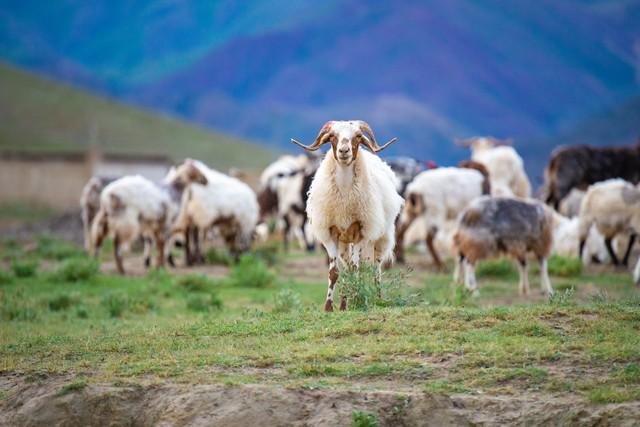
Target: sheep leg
<point>469,276</point>
<point>612,254</point>
<point>346,257</point>
<point>432,250</point>
<point>197,253</point>
<point>285,236</point>
<point>401,230</point>
<point>117,255</point>
<point>545,283</point>
<point>159,238</point>
<point>457,272</point>
<point>632,239</point>
<point>524,276</point>
<point>583,240</point>
<point>636,273</point>
<point>147,251</point>
<point>187,246</point>
<point>332,253</point>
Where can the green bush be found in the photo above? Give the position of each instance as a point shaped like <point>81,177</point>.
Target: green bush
<point>77,269</point>
<point>216,257</point>
<point>115,303</point>
<point>501,267</point>
<point>286,301</point>
<point>361,292</point>
<point>565,266</point>
<point>57,249</point>
<point>251,272</point>
<point>60,302</point>
<point>24,268</point>
<point>204,303</point>
<point>363,419</point>
<point>195,282</point>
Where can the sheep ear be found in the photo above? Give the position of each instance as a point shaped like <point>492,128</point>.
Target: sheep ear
<point>196,175</point>
<point>116,202</point>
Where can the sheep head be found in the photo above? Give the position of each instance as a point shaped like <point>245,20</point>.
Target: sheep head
<point>481,143</point>
<point>345,138</point>
<point>187,173</point>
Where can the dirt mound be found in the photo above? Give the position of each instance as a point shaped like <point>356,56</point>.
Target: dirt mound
<point>46,402</point>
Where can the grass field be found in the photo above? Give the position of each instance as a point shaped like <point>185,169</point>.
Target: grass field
<point>67,117</point>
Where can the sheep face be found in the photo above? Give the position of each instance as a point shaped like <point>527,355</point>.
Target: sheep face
<point>345,138</point>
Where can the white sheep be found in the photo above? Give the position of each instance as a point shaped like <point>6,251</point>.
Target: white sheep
<point>436,196</point>
<point>90,205</point>
<point>613,206</point>
<point>505,166</point>
<point>130,208</point>
<point>353,202</point>
<point>566,240</point>
<point>213,199</point>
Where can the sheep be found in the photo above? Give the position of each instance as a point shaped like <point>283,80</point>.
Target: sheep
<point>613,206</point>
<point>405,168</point>
<point>132,207</point>
<point>579,166</point>
<point>213,199</point>
<point>566,240</point>
<point>505,166</point>
<point>353,202</point>
<point>90,205</point>
<point>490,226</point>
<point>436,196</point>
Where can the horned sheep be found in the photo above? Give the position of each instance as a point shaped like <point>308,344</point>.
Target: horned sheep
<point>353,202</point>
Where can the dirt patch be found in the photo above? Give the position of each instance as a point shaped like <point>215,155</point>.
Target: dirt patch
<point>44,402</point>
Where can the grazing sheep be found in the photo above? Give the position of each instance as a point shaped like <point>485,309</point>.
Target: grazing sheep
<point>614,207</point>
<point>213,199</point>
<point>90,205</point>
<point>491,226</point>
<point>505,166</point>
<point>579,166</point>
<point>353,202</point>
<point>436,196</point>
<point>130,208</point>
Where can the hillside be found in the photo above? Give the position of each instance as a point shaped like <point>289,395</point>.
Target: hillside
<point>45,116</point>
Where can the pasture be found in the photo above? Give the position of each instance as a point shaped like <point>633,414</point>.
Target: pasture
<point>79,340</point>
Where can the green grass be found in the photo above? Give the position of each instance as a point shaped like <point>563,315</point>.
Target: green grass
<point>67,116</point>
<point>140,329</point>
<point>24,211</point>
<point>363,419</point>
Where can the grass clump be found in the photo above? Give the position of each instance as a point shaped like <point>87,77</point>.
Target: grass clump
<point>115,303</point>
<point>496,268</point>
<point>77,270</point>
<point>564,266</point>
<point>55,249</point>
<point>252,272</point>
<point>358,286</point>
<point>24,268</point>
<point>286,301</point>
<point>204,303</point>
<point>17,308</point>
<point>6,278</point>
<point>77,385</point>
<point>562,297</point>
<point>214,256</point>
<point>195,282</point>
<point>60,302</point>
<point>363,419</point>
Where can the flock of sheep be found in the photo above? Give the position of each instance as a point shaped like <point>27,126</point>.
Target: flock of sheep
<point>361,209</point>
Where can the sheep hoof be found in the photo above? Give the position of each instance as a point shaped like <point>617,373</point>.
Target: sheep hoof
<point>328,306</point>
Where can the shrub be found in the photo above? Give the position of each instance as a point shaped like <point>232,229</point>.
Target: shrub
<point>500,267</point>
<point>286,301</point>
<point>204,303</point>
<point>56,249</point>
<point>60,302</point>
<point>363,419</point>
<point>361,292</point>
<point>115,303</point>
<point>77,269</point>
<point>216,257</point>
<point>565,266</point>
<point>24,268</point>
<point>195,282</point>
<point>251,272</point>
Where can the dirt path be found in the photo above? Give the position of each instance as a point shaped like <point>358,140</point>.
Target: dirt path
<point>43,402</point>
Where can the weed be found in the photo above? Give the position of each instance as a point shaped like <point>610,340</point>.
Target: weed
<point>24,268</point>
<point>600,297</point>
<point>216,257</point>
<point>286,301</point>
<point>77,385</point>
<point>363,419</point>
<point>204,303</point>
<point>444,387</point>
<point>141,304</point>
<point>564,266</point>
<point>359,287</point>
<point>60,302</point>
<point>562,297</point>
<point>115,303</point>
<point>82,312</point>
<point>76,270</point>
<point>195,282</point>
<point>252,272</point>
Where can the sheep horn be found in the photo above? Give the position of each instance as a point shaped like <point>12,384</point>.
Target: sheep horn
<point>371,142</point>
<point>322,138</point>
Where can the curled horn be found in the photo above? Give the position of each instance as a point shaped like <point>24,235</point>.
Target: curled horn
<point>323,137</point>
<point>371,142</point>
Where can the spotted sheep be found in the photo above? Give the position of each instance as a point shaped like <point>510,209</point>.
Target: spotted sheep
<point>492,226</point>
<point>353,202</point>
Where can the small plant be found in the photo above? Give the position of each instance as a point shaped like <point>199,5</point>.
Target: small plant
<point>251,272</point>
<point>562,297</point>
<point>56,249</point>
<point>24,268</point>
<point>600,297</point>
<point>82,312</point>
<point>286,301</point>
<point>363,419</point>
<point>268,253</point>
<point>141,304</point>
<point>16,308</point>
<point>60,302</point>
<point>77,385</point>
<point>115,303</point>
<point>195,282</point>
<point>204,303</point>
<point>358,286</point>
<point>496,268</point>
<point>77,269</point>
<point>565,266</point>
<point>216,257</point>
